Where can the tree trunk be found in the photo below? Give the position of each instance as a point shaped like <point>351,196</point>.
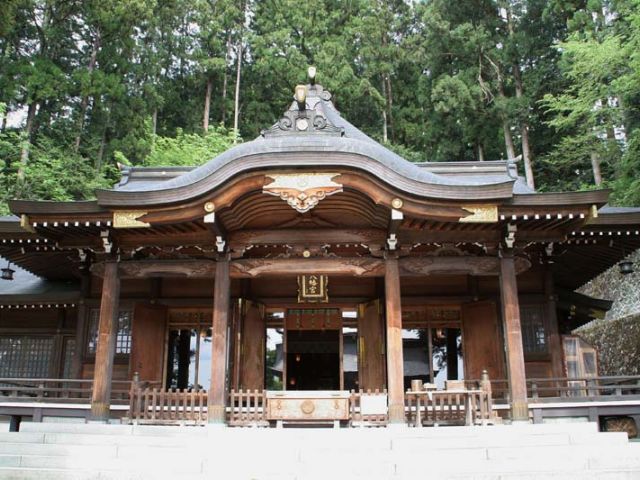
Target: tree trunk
<point>26,145</point>
<point>100,156</point>
<point>385,126</point>
<point>389,98</point>
<point>103,142</point>
<point>85,98</point>
<point>225,80</point>
<point>527,156</point>
<point>207,103</point>
<point>3,128</point>
<point>43,117</point>
<point>236,105</point>
<point>595,166</point>
<point>508,139</point>
<point>506,128</point>
<point>154,124</point>
<point>611,133</point>
<point>480,152</point>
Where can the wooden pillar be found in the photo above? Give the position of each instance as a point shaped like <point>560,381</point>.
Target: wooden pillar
<point>78,353</point>
<point>555,344</point>
<point>106,349</point>
<point>221,297</point>
<point>81,324</point>
<point>513,338</point>
<point>395,369</point>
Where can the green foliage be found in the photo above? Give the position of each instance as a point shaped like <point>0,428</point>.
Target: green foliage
<point>617,343</point>
<point>126,80</point>
<point>626,187</point>
<point>53,173</point>
<point>597,111</point>
<point>189,149</point>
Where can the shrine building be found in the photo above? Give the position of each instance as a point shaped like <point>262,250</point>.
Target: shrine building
<point>310,275</point>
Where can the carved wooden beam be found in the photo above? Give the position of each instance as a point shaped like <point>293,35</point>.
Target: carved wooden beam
<point>161,268</point>
<point>316,236</point>
<point>464,265</point>
<point>358,266</point>
<point>347,266</point>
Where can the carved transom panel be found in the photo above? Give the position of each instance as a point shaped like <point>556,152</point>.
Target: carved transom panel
<point>302,191</point>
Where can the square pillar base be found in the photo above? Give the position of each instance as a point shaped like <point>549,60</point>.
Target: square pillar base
<point>396,415</point>
<point>216,415</point>
<point>519,411</point>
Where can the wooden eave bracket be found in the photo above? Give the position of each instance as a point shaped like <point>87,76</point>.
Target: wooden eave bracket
<point>394,224</point>
<point>593,215</point>
<point>26,224</point>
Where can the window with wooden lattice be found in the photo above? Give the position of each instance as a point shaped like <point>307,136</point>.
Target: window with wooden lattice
<point>580,363</point>
<point>534,335</point>
<point>25,356</point>
<point>123,337</point>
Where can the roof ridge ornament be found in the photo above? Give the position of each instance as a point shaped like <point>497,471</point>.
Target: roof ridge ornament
<point>305,115</point>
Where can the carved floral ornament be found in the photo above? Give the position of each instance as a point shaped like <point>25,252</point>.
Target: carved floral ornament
<point>302,191</point>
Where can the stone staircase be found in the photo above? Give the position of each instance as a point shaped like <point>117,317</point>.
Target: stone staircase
<point>48,451</point>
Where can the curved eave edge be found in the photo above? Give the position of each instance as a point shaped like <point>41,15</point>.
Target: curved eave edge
<point>591,197</point>
<point>631,218</point>
<point>302,152</point>
<point>80,207</point>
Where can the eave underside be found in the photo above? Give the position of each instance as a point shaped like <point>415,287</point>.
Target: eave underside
<point>347,224</point>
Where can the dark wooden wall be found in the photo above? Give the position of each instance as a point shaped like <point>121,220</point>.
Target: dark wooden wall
<point>187,292</point>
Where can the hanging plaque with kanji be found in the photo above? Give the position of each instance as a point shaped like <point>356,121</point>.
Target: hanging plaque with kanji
<point>312,288</point>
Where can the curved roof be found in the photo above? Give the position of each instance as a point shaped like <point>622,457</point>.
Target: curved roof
<point>318,137</point>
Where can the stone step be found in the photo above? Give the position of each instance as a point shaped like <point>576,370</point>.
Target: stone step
<point>100,428</point>
<point>612,475</point>
<point>111,429</point>
<point>495,440</point>
<point>544,453</point>
<point>51,449</point>
<point>10,460</point>
<point>150,463</point>
<point>117,452</point>
<point>68,474</point>
<point>557,465</point>
<point>21,437</point>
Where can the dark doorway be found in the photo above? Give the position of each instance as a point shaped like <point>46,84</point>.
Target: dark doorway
<point>313,360</point>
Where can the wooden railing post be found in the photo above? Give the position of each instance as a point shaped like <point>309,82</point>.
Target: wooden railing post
<point>134,397</point>
<point>41,386</point>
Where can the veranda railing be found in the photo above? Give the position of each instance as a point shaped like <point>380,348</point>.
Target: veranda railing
<point>604,387</point>
<point>150,404</point>
<point>57,390</point>
<point>247,408</point>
